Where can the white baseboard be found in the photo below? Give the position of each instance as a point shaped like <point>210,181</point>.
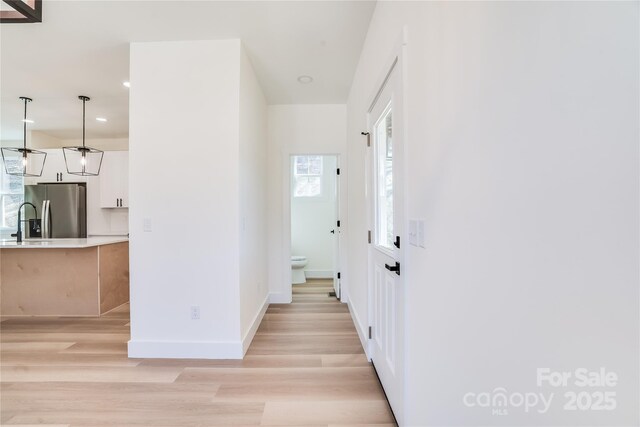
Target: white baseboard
<point>185,349</point>
<point>279,298</point>
<point>198,349</point>
<point>319,274</point>
<point>248,337</point>
<point>344,293</point>
<point>363,333</point>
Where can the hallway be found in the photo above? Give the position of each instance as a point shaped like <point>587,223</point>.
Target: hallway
<point>305,367</point>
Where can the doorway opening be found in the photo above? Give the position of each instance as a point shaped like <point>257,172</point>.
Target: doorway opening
<point>315,226</point>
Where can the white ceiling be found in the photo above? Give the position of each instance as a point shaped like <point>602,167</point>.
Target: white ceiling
<point>82,48</point>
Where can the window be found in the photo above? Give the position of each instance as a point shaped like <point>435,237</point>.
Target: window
<point>384,182</point>
<point>11,196</point>
<point>307,174</point>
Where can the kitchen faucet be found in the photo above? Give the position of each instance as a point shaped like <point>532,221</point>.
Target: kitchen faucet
<point>18,234</point>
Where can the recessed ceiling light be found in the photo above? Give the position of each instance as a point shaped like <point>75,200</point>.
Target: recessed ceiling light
<point>126,84</point>
<point>101,119</point>
<point>305,79</point>
<point>28,121</point>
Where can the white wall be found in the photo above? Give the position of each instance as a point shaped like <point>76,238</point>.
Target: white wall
<point>253,201</point>
<point>297,129</point>
<point>185,170</point>
<point>523,160</point>
<point>312,219</point>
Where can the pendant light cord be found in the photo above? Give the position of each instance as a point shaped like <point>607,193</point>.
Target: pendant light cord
<point>24,135</point>
<point>84,101</point>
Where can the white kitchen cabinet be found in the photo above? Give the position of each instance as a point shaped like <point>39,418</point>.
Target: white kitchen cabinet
<point>114,180</point>
<point>55,170</point>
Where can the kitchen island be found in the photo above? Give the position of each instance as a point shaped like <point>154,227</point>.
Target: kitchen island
<point>64,277</point>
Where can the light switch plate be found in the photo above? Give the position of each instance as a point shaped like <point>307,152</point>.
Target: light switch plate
<point>146,225</point>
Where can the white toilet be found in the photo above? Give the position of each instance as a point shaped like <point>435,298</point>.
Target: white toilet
<point>297,269</point>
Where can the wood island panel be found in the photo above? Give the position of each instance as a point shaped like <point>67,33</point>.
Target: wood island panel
<point>49,282</point>
<point>114,275</point>
<point>64,282</point>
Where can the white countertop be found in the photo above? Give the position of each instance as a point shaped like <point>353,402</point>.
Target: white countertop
<point>62,243</point>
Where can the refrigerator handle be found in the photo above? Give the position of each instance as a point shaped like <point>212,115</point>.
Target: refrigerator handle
<point>44,225</point>
<point>46,220</point>
<point>49,216</point>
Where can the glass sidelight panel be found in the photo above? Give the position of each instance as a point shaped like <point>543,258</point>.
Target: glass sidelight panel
<point>383,133</point>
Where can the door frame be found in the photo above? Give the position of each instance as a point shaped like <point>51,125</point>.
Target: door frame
<point>286,217</point>
<point>396,62</point>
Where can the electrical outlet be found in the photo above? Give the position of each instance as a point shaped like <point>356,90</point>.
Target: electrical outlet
<point>195,312</point>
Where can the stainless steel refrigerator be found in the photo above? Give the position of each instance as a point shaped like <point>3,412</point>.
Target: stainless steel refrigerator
<point>62,209</point>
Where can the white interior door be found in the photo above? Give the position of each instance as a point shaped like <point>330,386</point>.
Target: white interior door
<point>385,255</point>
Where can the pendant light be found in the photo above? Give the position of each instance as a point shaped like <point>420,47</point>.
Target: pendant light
<point>83,160</point>
<point>23,161</point>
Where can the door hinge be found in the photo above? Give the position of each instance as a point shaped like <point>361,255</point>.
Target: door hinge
<point>397,242</point>
<point>370,334</point>
<point>368,138</point>
<point>338,171</point>
<point>338,275</point>
<point>338,223</point>
<point>369,236</point>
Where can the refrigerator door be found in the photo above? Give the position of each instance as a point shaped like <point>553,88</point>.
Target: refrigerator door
<point>67,210</point>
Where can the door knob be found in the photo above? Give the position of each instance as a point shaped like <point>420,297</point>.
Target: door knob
<point>395,268</point>
<point>333,232</point>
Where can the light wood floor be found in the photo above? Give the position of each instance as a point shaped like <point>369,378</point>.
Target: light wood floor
<point>305,367</point>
